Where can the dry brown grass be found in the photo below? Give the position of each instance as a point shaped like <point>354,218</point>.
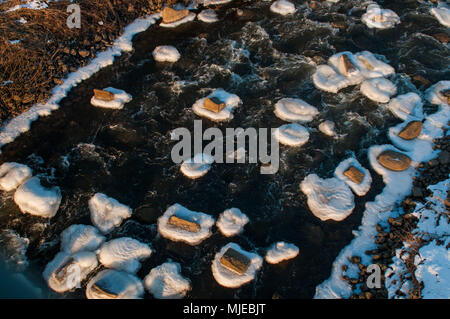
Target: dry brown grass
<point>48,48</point>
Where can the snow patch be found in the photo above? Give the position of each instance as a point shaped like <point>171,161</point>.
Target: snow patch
<point>12,175</point>
<point>281,251</point>
<point>407,106</point>
<point>77,238</point>
<point>378,89</point>
<point>166,53</point>
<point>197,166</point>
<point>295,110</point>
<point>283,7</point>
<point>166,282</point>
<point>360,189</point>
<point>231,222</point>
<point>107,213</point>
<point>291,134</point>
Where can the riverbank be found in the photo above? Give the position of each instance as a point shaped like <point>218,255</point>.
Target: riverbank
<point>39,50</point>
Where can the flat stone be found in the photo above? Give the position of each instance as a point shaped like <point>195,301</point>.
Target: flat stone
<point>184,224</point>
<point>103,95</point>
<point>394,161</point>
<point>235,261</point>
<point>170,15</point>
<point>348,65</point>
<point>411,130</point>
<point>84,53</point>
<point>446,95</point>
<point>441,37</point>
<point>354,174</point>
<point>213,104</point>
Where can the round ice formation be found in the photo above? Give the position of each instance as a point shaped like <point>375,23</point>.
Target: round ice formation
<point>208,16</point>
<point>214,2</point>
<point>370,66</point>
<point>12,175</point>
<point>166,53</point>
<point>283,7</point>
<point>291,134</point>
<point>106,212</point>
<point>231,101</point>
<point>229,278</point>
<point>295,110</point>
<point>231,222</point>
<point>120,98</point>
<point>407,106</point>
<point>375,17</point>
<point>442,14</point>
<point>166,282</point>
<point>434,93</point>
<point>328,198</point>
<point>190,17</point>
<point>197,166</point>
<point>327,79</point>
<point>66,271</point>
<point>360,188</point>
<point>80,237</point>
<point>345,63</point>
<point>114,284</point>
<point>200,222</point>
<point>123,254</point>
<point>327,128</point>
<point>378,89</point>
<point>35,199</point>
<point>281,251</point>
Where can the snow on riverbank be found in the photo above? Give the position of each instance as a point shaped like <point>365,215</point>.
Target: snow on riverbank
<point>22,123</point>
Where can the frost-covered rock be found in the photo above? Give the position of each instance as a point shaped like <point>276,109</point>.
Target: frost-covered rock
<point>327,79</point>
<point>214,2</point>
<point>107,213</point>
<point>295,110</point>
<point>407,106</point>
<point>208,16</point>
<point>327,128</point>
<point>346,64</point>
<point>166,282</point>
<point>177,232</point>
<point>360,183</point>
<point>328,198</point>
<point>434,93</point>
<point>232,221</point>
<point>229,278</point>
<point>120,98</point>
<point>190,17</point>
<point>291,134</point>
<point>376,17</point>
<point>123,254</point>
<point>166,53</point>
<point>282,7</point>
<point>281,251</point>
<point>77,238</point>
<point>114,284</point>
<point>226,114</point>
<point>197,166</point>
<point>65,272</point>
<point>378,89</point>
<point>12,175</point>
<point>442,14</point>
<point>35,199</point>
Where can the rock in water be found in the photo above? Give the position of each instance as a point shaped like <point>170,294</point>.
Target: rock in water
<point>411,130</point>
<point>184,224</point>
<point>170,15</point>
<point>394,161</point>
<point>213,104</point>
<point>103,95</point>
<point>354,174</point>
<point>235,261</point>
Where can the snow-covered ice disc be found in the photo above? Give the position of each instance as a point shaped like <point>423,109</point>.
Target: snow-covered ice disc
<point>197,166</point>
<point>327,79</point>
<point>12,175</point>
<point>361,188</point>
<point>282,7</point>
<point>35,199</point>
<point>124,254</point>
<point>114,284</point>
<point>281,251</point>
<point>232,221</point>
<point>295,110</point>
<point>166,53</point>
<point>291,134</point>
<point>80,237</point>
<point>328,198</point>
<point>378,89</point>
<point>106,212</point>
<point>208,16</point>
<point>407,106</point>
<point>231,102</point>
<point>166,282</point>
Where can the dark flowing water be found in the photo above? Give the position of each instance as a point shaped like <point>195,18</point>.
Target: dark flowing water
<point>261,57</point>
